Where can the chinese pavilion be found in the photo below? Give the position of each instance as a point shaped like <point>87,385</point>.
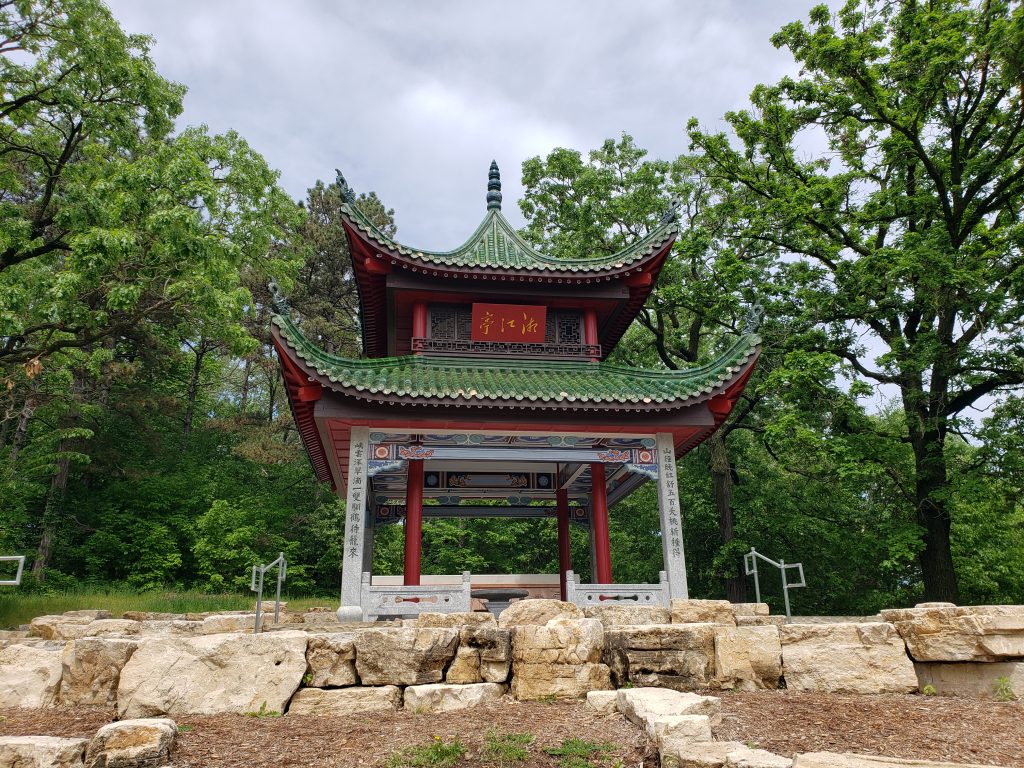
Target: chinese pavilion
<point>484,378</point>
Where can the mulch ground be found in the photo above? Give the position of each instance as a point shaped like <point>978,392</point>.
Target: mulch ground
<point>911,727</point>
<point>785,722</point>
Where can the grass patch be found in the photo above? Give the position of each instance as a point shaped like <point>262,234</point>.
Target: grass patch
<point>507,747</point>
<point>578,753</point>
<point>263,712</point>
<point>16,609</point>
<point>438,753</point>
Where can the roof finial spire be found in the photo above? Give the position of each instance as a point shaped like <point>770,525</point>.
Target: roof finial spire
<point>494,188</point>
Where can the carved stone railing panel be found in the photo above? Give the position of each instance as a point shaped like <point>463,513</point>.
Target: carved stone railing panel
<point>377,600</point>
<point>654,595</point>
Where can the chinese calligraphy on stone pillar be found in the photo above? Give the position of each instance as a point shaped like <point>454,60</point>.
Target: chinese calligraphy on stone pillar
<point>355,516</point>
<point>671,522</point>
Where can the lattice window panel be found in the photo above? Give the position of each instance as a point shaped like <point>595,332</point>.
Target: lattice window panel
<point>443,323</point>
<point>569,330</point>
<point>464,324</point>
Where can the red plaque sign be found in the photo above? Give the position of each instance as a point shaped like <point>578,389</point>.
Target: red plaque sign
<point>509,322</point>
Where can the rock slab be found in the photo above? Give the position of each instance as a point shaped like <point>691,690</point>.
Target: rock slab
<point>846,658</point>
<point>644,706</point>
<point>212,674</point>
<point>404,656</point>
<point>483,656</point>
<point>442,697</point>
<point>142,743</point>
<point>91,670</point>
<point>345,701</point>
<point>721,754</point>
<point>999,680</point>
<point>30,675</point>
<point>847,760</point>
<point>748,658</point>
<point>41,752</point>
<point>537,612</point>
<point>331,660</point>
<point>563,681</point>
<point>945,632</point>
<point>676,656</point>
<point>703,612</point>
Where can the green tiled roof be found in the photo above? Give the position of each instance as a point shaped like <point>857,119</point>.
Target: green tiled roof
<point>524,382</point>
<point>497,245</point>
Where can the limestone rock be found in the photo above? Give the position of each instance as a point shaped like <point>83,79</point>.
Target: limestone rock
<point>643,706</point>
<point>677,656</point>
<point>230,622</point>
<point>537,612</point>
<point>846,658</point>
<point>980,680</point>
<point>703,612</point>
<point>564,681</point>
<point>152,616</point>
<point>320,617</point>
<point>91,669</point>
<point>944,632</point>
<point>750,609</point>
<point>721,754</point>
<point>671,732</point>
<point>345,701</point>
<point>484,655</point>
<point>748,658</point>
<point>602,702</point>
<point>760,621</point>
<point>92,614</point>
<point>404,656</point>
<point>49,627</point>
<point>212,674</point>
<point>463,619</point>
<point>560,641</point>
<point>442,697</point>
<point>628,615</point>
<point>331,660</point>
<point>41,752</point>
<point>465,669</point>
<point>132,744</point>
<point>847,760</point>
<point>30,675</point>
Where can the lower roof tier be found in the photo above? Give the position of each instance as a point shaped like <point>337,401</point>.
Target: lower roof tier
<point>520,383</point>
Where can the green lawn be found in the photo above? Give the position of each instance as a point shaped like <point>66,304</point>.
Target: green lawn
<point>18,609</point>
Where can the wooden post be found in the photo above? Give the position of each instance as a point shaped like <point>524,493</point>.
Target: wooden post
<point>413,522</point>
<point>564,553</point>
<point>590,329</point>
<point>419,320</point>
<point>599,522</point>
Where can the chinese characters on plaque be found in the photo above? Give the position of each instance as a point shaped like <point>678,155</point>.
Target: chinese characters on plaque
<point>509,322</point>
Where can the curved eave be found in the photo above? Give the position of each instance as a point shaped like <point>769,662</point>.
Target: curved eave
<point>532,263</point>
<point>732,367</point>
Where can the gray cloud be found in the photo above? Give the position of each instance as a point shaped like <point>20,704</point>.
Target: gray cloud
<point>414,99</point>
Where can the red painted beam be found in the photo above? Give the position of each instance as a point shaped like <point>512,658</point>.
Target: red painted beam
<point>413,523</point>
<point>599,522</point>
<point>564,552</point>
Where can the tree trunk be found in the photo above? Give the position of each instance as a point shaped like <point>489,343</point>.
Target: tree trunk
<point>52,513</point>
<point>193,388</point>
<point>721,483</point>
<point>931,488</point>
<point>21,433</point>
<point>243,400</point>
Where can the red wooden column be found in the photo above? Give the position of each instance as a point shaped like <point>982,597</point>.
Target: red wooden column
<point>413,522</point>
<point>590,329</point>
<point>419,320</point>
<point>564,553</point>
<point>599,521</point>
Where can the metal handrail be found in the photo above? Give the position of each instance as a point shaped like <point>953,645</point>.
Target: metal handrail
<point>750,567</point>
<point>16,581</point>
<point>260,570</point>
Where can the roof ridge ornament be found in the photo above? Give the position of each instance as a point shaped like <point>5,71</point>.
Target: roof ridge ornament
<point>754,317</point>
<point>494,187</point>
<point>346,191</point>
<point>671,212</point>
<point>277,298</point>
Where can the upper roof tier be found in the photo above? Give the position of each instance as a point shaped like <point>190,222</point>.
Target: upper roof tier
<point>496,245</point>
<point>495,252</point>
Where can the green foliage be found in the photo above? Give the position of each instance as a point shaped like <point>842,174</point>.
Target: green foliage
<point>579,753</point>
<point>263,712</point>
<point>1003,690</point>
<point>928,690</point>
<point>439,753</point>
<point>507,748</point>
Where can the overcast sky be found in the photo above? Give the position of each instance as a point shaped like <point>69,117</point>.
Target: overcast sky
<point>413,99</point>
